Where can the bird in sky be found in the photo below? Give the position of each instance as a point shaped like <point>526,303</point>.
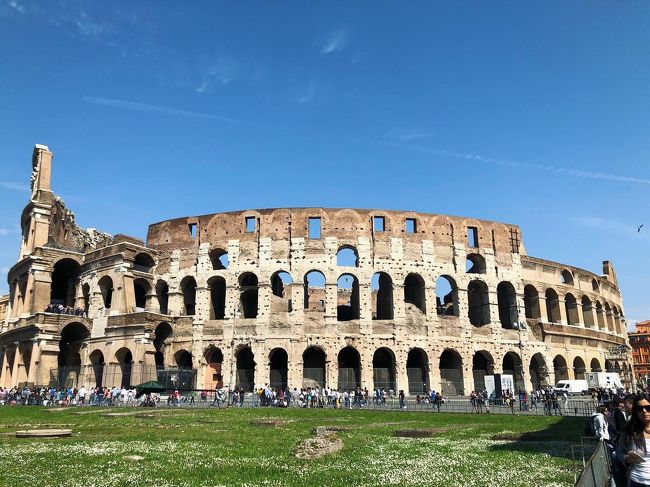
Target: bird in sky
<point>639,228</point>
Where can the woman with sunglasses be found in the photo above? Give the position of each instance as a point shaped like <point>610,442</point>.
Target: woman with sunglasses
<point>634,446</point>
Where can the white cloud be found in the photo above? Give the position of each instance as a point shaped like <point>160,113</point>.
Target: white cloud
<point>335,41</point>
<point>405,134</point>
<point>522,165</point>
<point>145,107</point>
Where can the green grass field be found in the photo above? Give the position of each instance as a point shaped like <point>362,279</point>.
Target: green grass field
<point>210,447</point>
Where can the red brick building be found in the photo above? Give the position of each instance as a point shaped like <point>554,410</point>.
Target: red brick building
<point>640,343</point>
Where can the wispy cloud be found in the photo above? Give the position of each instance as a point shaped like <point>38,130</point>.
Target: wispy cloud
<point>14,186</point>
<point>521,164</point>
<point>145,107</point>
<point>219,72</point>
<point>334,41</point>
<point>616,227</point>
<point>407,134</point>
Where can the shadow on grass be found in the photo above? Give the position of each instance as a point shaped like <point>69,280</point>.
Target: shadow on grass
<point>555,440</point>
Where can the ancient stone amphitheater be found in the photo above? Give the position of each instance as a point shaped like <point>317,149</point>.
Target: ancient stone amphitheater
<point>299,296</point>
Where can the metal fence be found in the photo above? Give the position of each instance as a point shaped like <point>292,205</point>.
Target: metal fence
<point>121,375</point>
<point>597,471</point>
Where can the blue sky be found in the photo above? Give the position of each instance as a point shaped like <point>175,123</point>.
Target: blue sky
<point>534,113</point>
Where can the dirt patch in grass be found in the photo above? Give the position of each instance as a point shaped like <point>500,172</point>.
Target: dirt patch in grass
<point>324,443</point>
<point>419,433</point>
<point>270,423</point>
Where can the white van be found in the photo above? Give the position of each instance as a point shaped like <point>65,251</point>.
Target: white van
<point>572,387</point>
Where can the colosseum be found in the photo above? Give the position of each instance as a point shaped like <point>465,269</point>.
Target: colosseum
<point>297,297</point>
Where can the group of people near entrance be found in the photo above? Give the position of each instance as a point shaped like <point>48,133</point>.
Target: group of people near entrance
<point>623,423</point>
<point>66,310</point>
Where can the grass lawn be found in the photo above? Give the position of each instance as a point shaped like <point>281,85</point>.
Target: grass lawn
<point>210,447</point>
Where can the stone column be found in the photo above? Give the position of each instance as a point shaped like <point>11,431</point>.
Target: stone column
<point>562,307</point>
<point>5,377</point>
<point>19,366</point>
<point>264,302</point>
<point>331,301</point>
<point>399,307</point>
<point>198,359</point>
<point>494,308</point>
<point>543,314</point>
<point>35,362</point>
<point>202,303</point>
<point>175,303</point>
<point>401,377</point>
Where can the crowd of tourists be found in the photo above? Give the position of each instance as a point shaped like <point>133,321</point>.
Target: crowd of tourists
<point>66,310</point>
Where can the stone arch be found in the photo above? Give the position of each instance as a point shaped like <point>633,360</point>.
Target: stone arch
<point>560,369</point>
<point>69,356</point>
<point>383,369</point>
<point>482,365</point>
<point>162,336</point>
<point>106,290</point>
<point>124,358</point>
<point>531,302</point>
<point>98,365</point>
<point>446,296</point>
<point>538,371</point>
<point>162,294</point>
<point>314,288</point>
<point>587,312</point>
<point>552,306</point>
<point>475,264</point>
<point>65,275</point>
<point>349,369</point>
<point>507,302</point>
<point>188,288</point>
<point>218,259</point>
<point>314,360</point>
<point>183,360</point>
<point>217,285</point>
<point>347,298</point>
<point>279,281</point>
<point>595,365</point>
<point>566,277</point>
<point>478,302</point>
<point>248,295</point>
<point>595,287</point>
<point>245,369</point>
<point>381,286</point>
<point>143,262</point>
<point>451,373</point>
<point>571,307</point>
<point>214,361</point>
<point>512,365</point>
<point>417,370</point>
<point>579,368</point>
<point>141,289</point>
<point>278,368</point>
<point>347,256</point>
<point>414,292</point>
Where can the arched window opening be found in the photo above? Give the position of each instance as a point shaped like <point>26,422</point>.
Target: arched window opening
<point>507,300</point>
<point>446,296</point>
<point>69,356</point>
<point>124,358</point>
<point>417,370</point>
<point>65,276</point>
<point>552,306</point>
<point>595,365</point>
<point>245,374</point>
<point>278,368</point>
<point>313,368</point>
<point>482,365</point>
<point>512,366</point>
<point>560,369</point>
<point>162,293</point>
<point>217,285</point>
<point>478,303</point>
<point>531,302</point>
<point>248,295</point>
<point>349,364</point>
<point>451,373</point>
<point>183,359</point>
<point>579,368</point>
<point>571,307</point>
<point>188,288</point>
<point>475,264</point>
<point>314,288</point>
<point>97,363</point>
<point>537,370</point>
<point>141,288</point>
<point>106,289</point>
<point>414,292</point>
<point>588,312</point>
<point>85,290</point>
<point>214,377</point>
<point>600,317</point>
<point>218,259</point>
<point>381,286</point>
<point>347,298</point>
<point>280,281</point>
<point>162,335</point>
<point>143,262</point>
<point>566,277</point>
<point>594,285</point>
<point>383,369</point>
<point>347,257</point>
